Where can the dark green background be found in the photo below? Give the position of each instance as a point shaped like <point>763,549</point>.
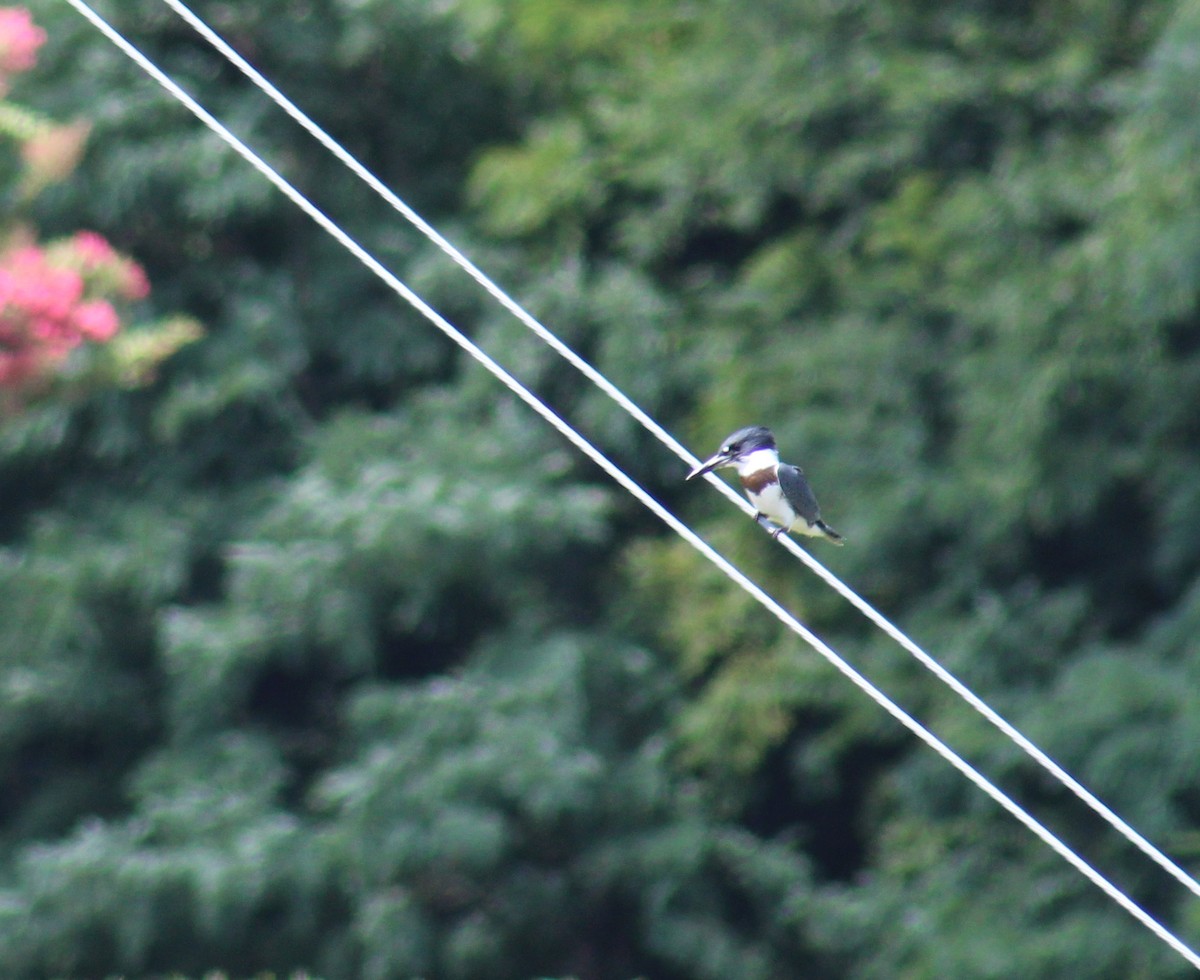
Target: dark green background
<point>324,653</point>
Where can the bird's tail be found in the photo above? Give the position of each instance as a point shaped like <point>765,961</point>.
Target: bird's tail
<point>829,532</point>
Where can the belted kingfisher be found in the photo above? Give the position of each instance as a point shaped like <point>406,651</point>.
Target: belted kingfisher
<point>779,491</point>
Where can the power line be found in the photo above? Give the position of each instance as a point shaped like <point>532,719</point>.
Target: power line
<point>633,409</point>
<point>633,488</point>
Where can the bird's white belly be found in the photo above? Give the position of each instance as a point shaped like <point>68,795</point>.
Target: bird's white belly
<point>774,505</point>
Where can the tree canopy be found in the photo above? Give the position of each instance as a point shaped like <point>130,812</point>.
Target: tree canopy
<point>321,654</point>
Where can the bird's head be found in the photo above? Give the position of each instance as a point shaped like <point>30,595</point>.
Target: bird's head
<point>735,448</point>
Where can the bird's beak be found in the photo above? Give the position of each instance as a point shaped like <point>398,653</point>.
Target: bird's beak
<point>708,465</point>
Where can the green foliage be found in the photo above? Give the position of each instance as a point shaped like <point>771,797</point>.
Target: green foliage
<point>321,653</point>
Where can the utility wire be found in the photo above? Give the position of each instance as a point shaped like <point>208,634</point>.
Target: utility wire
<point>665,437</point>
<point>633,488</point>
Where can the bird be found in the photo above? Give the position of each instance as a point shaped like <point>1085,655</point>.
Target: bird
<point>779,491</point>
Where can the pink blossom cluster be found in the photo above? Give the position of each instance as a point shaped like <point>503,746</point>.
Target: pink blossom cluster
<point>53,299</point>
<point>20,39</point>
<point>103,269</point>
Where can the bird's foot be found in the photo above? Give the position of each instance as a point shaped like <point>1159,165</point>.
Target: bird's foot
<point>772,529</point>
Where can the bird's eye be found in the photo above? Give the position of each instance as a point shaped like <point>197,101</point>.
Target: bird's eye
<point>727,450</point>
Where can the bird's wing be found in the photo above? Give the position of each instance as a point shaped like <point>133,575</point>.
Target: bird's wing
<point>795,487</point>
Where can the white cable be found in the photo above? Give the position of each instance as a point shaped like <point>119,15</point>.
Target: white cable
<point>615,393</point>
<point>426,229</point>
<point>633,488</point>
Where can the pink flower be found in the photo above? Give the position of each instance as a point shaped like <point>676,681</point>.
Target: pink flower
<point>96,320</point>
<point>50,303</point>
<point>47,329</point>
<point>135,285</point>
<point>104,269</point>
<point>40,289</point>
<point>20,39</point>
<point>92,249</point>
